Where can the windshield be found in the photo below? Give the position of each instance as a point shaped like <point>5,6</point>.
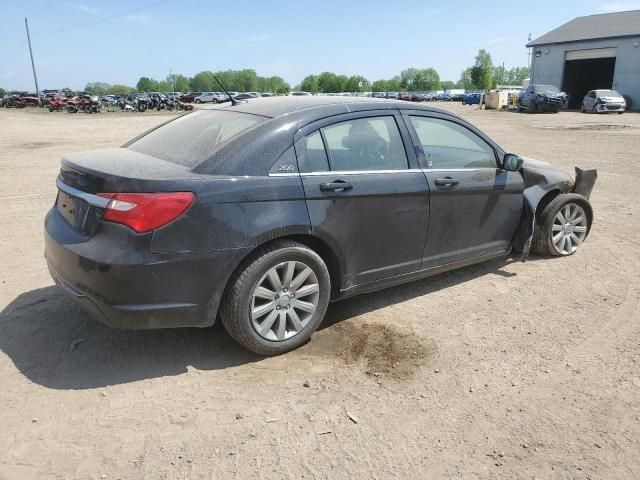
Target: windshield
<point>546,88</point>
<point>608,93</point>
<point>193,138</point>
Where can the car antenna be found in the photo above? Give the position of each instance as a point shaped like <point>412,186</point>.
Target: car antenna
<point>234,102</point>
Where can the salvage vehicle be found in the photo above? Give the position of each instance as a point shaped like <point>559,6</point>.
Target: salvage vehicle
<point>260,213</point>
<point>603,101</point>
<point>542,98</point>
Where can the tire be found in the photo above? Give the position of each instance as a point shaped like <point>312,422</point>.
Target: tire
<point>594,109</point>
<point>197,100</point>
<point>533,107</point>
<point>582,110</point>
<point>215,100</point>
<point>239,301</point>
<point>547,226</point>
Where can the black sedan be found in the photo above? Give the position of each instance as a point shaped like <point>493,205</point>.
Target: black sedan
<point>261,213</point>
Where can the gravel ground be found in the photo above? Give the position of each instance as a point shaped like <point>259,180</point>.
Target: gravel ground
<point>502,370</point>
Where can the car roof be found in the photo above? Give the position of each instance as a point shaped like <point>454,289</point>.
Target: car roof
<point>274,107</point>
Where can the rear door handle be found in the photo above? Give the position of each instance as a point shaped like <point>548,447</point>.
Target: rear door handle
<point>337,186</point>
<point>446,182</point>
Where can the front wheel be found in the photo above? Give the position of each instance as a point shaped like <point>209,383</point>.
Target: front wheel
<point>277,299</point>
<point>563,225</point>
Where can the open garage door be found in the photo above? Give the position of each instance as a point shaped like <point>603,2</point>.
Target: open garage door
<point>586,70</point>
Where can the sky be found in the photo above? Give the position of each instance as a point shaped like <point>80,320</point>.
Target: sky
<point>118,41</point>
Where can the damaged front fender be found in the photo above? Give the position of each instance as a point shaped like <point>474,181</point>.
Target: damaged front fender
<point>542,183</point>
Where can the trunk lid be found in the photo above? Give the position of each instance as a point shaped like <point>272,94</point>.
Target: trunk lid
<point>83,175</point>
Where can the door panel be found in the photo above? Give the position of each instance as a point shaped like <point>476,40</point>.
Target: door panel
<point>474,206</point>
<point>365,194</point>
<point>377,227</point>
<point>476,216</point>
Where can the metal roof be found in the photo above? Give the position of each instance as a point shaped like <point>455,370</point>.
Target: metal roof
<point>592,27</point>
<point>277,106</point>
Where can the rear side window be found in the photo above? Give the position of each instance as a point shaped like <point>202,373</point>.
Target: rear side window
<point>365,144</point>
<point>193,138</point>
<point>449,145</point>
<point>316,155</point>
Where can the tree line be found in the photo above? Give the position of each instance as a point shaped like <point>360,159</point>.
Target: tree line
<point>246,80</point>
<point>482,75</point>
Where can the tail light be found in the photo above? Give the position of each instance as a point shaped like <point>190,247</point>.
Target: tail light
<point>144,212</point>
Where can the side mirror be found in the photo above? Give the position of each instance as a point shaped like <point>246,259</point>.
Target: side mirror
<point>512,162</point>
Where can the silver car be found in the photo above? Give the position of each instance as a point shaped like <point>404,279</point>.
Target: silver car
<point>603,101</point>
<point>214,97</point>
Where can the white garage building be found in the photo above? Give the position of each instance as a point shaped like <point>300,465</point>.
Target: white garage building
<point>597,51</point>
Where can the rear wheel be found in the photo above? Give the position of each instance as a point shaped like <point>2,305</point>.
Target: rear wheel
<point>277,299</point>
<point>563,225</point>
<point>197,100</point>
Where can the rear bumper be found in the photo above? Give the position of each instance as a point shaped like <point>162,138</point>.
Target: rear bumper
<point>114,277</point>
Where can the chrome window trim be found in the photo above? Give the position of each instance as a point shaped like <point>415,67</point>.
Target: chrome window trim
<point>477,169</point>
<point>378,172</point>
<point>91,199</point>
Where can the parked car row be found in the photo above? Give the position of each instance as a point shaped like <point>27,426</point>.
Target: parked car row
<point>549,98</point>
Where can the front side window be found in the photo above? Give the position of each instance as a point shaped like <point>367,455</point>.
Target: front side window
<point>365,144</point>
<point>448,145</point>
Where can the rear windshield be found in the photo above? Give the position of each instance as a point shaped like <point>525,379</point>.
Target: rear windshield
<point>193,138</point>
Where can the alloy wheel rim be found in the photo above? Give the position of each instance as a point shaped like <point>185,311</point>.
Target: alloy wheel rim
<point>284,300</point>
<point>569,228</point>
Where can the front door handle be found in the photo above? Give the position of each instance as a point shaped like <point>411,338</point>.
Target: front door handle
<point>446,182</point>
<point>337,186</point>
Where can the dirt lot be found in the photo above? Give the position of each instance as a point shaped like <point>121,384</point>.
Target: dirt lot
<point>503,370</point>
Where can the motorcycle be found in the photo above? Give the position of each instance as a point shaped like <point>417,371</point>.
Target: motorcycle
<point>57,104</point>
<point>85,103</point>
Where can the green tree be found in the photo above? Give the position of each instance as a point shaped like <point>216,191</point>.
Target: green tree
<point>146,84</point>
<point>517,75</point>
<point>499,76</point>
<point>97,88</point>
<point>393,84</point>
<point>176,82</point>
<point>379,86</point>
<point>426,79</point>
<point>328,82</point>
<point>310,84</point>
<point>357,83</point>
<point>482,70</point>
<point>408,78</point>
<point>276,84</point>
<point>118,89</point>
<point>202,82</point>
<point>466,81</point>
<point>447,85</point>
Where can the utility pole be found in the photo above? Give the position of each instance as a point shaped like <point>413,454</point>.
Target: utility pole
<point>529,54</point>
<point>33,65</point>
